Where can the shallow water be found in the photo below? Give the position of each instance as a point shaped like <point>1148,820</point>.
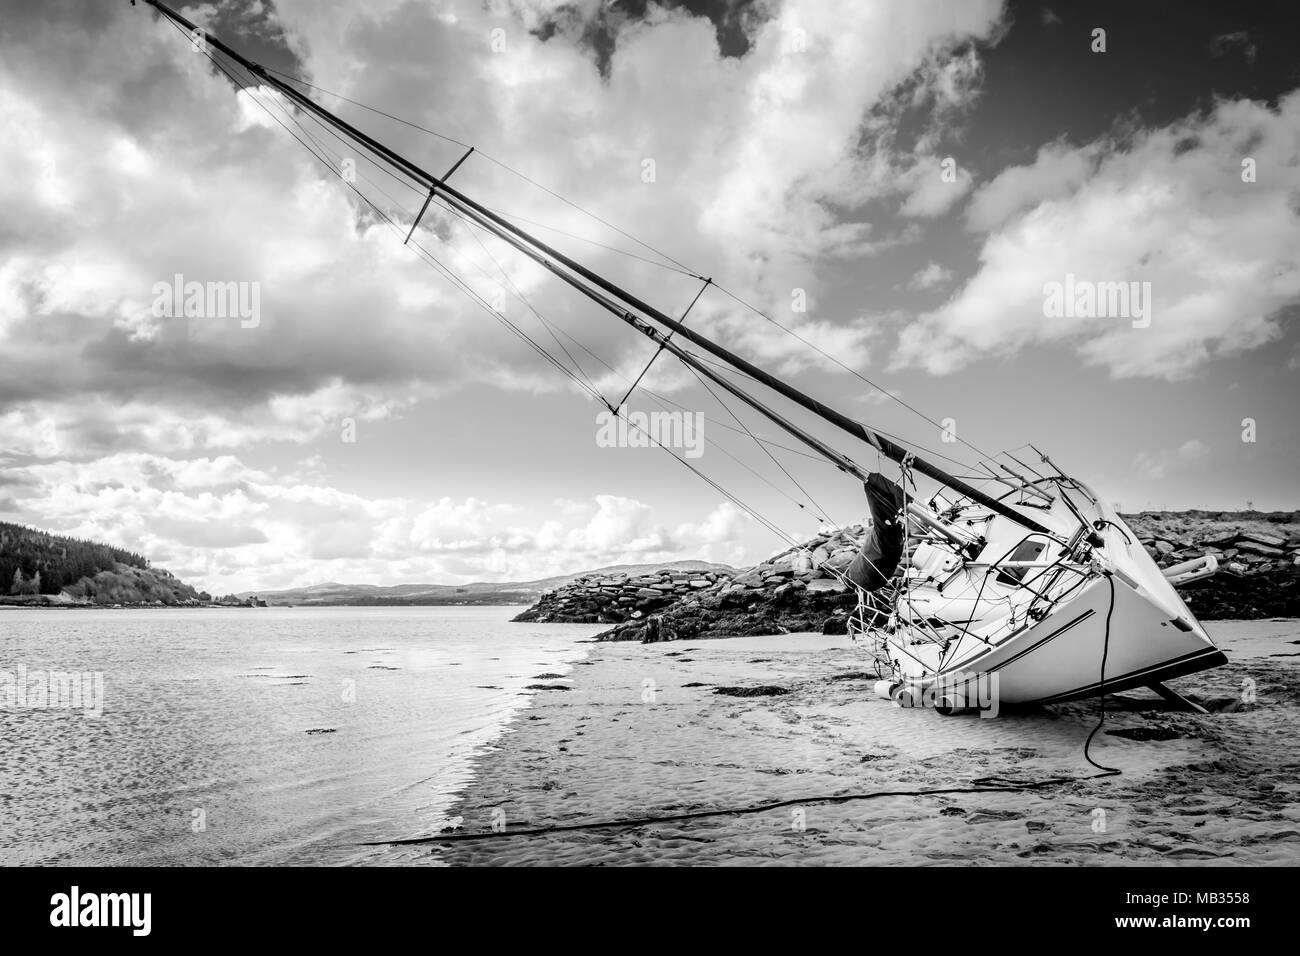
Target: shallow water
<point>268,736</point>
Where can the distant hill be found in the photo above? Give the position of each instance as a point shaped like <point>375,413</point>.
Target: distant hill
<point>37,567</point>
<point>481,592</point>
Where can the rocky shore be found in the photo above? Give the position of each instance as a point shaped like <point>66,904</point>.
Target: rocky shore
<point>619,597</point>
<point>797,590</point>
<point>1258,555</point>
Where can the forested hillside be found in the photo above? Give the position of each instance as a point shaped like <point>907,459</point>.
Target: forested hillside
<point>35,562</point>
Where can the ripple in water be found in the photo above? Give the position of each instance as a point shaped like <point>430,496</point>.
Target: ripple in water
<point>268,736</point>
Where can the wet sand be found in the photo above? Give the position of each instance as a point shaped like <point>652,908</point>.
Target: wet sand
<point>641,732</point>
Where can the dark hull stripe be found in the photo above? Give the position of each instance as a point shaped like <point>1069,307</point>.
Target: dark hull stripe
<point>1178,667</point>
<point>1198,660</point>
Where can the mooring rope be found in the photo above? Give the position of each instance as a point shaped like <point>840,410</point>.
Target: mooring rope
<point>982,785</point>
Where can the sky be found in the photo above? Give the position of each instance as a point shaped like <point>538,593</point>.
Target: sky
<point>882,194</point>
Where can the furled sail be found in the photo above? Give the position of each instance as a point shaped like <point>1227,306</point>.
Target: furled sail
<point>882,548</point>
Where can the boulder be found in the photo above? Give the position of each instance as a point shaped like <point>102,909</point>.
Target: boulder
<point>833,585</point>
<point>1251,546</point>
<point>836,624</point>
<point>1274,541</point>
<point>785,590</point>
<point>841,559</point>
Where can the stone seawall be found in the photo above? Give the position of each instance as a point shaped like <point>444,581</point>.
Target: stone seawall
<point>615,598</point>
<point>1258,555</point>
<point>798,590</point>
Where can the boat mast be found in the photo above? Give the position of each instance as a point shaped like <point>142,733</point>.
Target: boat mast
<point>582,278</point>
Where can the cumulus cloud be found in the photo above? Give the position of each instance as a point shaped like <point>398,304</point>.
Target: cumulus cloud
<point>1158,464</point>
<point>226,526</point>
<point>929,277</point>
<point>717,537</point>
<point>161,171</point>
<point>1170,207</point>
<point>933,192</point>
<point>1058,171</point>
<point>1239,40</point>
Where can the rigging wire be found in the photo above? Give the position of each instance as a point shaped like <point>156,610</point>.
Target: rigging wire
<point>466,289</point>
<point>682,267</point>
<point>591,387</point>
<point>709,360</point>
<point>520,296</point>
<point>438,265</point>
<point>478,300</point>
<point>588,386</point>
<point>573,235</point>
<point>823,517</point>
<point>663,400</point>
<point>852,371</point>
<point>514,172</point>
<point>429,257</point>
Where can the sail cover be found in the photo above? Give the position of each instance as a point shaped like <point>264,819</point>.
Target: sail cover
<point>882,548</point>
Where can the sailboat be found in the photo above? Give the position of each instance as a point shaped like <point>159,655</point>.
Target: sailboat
<point>1029,589</point>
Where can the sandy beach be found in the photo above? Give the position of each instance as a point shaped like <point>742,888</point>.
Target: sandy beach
<point>641,731</point>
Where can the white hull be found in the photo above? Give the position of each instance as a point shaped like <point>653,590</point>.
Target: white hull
<point>1148,636</point>
<point>1060,658</point>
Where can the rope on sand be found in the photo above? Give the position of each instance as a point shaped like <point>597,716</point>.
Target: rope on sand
<point>981,785</point>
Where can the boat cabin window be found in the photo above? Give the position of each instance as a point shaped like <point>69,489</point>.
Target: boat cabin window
<point>1028,550</point>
